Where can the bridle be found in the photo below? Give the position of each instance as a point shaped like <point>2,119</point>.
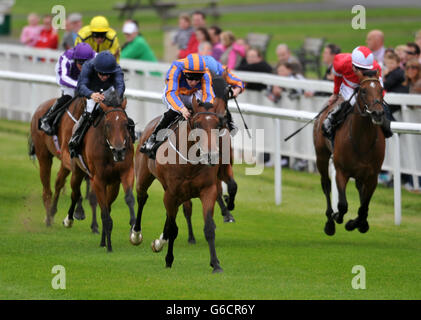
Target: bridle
<point>105,113</point>
<point>366,107</point>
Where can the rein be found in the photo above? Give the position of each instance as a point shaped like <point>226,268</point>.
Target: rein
<point>366,111</point>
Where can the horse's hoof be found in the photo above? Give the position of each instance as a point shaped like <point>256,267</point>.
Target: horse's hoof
<point>339,218</point>
<point>351,225</point>
<point>67,223</point>
<point>136,238</point>
<point>79,214</point>
<point>192,240</point>
<point>229,218</point>
<point>217,269</point>
<point>94,229</point>
<point>48,221</point>
<point>330,228</point>
<point>363,227</point>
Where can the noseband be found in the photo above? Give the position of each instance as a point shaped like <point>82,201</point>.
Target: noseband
<point>366,108</point>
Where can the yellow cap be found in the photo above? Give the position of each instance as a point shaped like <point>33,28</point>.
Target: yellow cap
<point>99,24</point>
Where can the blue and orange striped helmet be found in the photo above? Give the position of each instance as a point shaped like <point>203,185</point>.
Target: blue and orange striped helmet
<point>194,63</point>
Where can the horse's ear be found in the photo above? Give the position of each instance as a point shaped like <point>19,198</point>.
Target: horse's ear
<point>124,104</point>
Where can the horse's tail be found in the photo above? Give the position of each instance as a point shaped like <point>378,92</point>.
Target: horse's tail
<point>31,148</point>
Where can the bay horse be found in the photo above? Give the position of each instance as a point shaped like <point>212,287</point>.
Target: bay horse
<point>358,152</point>
<point>183,181</point>
<point>47,147</point>
<point>107,157</point>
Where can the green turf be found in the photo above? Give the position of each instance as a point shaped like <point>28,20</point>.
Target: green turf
<point>269,253</point>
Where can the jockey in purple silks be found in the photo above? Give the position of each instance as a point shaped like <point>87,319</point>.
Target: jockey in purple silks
<point>67,70</point>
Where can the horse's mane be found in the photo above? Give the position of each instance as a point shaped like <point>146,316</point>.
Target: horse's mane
<point>111,98</point>
<point>219,85</point>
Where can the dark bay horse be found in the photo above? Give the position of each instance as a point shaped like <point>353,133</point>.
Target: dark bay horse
<point>359,148</point>
<point>107,157</point>
<point>46,147</point>
<point>183,181</point>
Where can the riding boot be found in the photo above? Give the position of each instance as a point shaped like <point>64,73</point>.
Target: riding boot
<point>45,122</point>
<point>333,119</point>
<point>150,145</point>
<point>82,127</point>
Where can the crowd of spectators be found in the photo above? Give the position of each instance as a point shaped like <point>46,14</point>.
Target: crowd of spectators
<point>401,65</point>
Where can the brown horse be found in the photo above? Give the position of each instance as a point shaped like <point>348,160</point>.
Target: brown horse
<point>226,202</point>
<point>46,147</point>
<point>107,157</point>
<point>183,179</point>
<point>359,148</point>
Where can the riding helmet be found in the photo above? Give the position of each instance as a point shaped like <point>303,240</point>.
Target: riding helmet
<point>105,62</point>
<point>83,51</point>
<point>362,57</point>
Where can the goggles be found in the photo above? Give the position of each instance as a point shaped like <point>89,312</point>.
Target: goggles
<point>104,74</point>
<point>193,76</point>
<point>80,61</point>
<point>98,35</point>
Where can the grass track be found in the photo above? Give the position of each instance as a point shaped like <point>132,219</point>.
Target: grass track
<point>269,253</point>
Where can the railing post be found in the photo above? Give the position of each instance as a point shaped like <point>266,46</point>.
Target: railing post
<point>277,162</point>
<point>397,179</point>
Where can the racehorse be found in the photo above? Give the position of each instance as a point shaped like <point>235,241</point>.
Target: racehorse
<point>358,152</point>
<point>107,157</point>
<point>46,147</point>
<point>184,181</point>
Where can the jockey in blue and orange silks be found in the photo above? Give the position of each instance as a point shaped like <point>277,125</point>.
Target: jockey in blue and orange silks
<point>186,79</point>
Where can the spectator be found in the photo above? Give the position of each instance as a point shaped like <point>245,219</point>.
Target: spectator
<point>48,37</point>
<point>329,53</point>
<point>400,51</point>
<point>100,36</point>
<point>184,32</point>
<point>73,25</point>
<point>417,40</point>
<point>136,46</point>
<point>255,63</point>
<point>287,70</point>
<point>217,47</point>
<point>412,81</point>
<point>393,77</point>
<point>375,42</point>
<point>233,52</point>
<point>202,35</point>
<point>30,33</point>
<point>284,55</point>
<point>198,21</point>
<point>412,51</point>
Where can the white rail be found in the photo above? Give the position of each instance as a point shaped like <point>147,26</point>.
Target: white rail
<point>262,111</point>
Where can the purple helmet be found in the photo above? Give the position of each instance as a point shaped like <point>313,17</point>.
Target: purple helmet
<point>83,51</point>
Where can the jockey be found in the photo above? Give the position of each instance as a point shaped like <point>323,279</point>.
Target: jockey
<point>97,74</point>
<point>100,36</point>
<point>67,70</point>
<point>218,70</point>
<point>346,67</point>
<point>187,78</point>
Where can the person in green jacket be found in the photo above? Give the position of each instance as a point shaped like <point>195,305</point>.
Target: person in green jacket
<point>136,46</point>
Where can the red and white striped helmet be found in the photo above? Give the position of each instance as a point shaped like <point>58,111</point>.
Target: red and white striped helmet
<point>362,57</point>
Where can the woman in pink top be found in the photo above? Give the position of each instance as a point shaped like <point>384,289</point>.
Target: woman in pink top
<point>30,33</point>
<point>233,53</point>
